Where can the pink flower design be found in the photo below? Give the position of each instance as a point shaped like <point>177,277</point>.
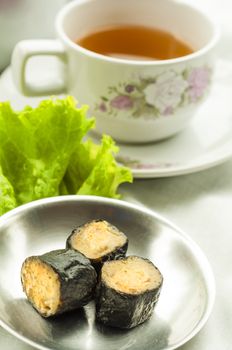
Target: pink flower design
<point>166,92</point>
<point>7,3</point>
<point>156,96</point>
<point>129,88</point>
<point>198,81</point>
<point>168,110</point>
<point>122,102</point>
<point>102,107</point>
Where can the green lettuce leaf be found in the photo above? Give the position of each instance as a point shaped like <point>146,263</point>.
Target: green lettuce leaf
<point>42,154</point>
<point>93,169</point>
<point>36,145</point>
<point>7,196</point>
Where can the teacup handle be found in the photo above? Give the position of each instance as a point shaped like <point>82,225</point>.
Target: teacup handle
<point>28,48</point>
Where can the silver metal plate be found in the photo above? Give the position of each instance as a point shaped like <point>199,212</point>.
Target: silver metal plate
<point>186,298</point>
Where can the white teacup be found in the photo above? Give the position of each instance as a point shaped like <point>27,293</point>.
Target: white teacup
<point>133,101</point>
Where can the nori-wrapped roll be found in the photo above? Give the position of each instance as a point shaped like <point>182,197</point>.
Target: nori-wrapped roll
<point>99,241</point>
<point>127,292</point>
<point>58,281</point>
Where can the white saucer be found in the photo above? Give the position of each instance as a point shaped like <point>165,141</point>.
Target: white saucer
<point>204,144</point>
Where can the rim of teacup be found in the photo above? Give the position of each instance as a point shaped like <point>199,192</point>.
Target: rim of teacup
<point>201,52</point>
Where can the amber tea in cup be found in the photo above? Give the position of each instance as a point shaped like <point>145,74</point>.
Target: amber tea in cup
<point>134,42</point>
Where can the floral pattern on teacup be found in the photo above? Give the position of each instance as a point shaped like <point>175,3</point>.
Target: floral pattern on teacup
<point>157,96</point>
